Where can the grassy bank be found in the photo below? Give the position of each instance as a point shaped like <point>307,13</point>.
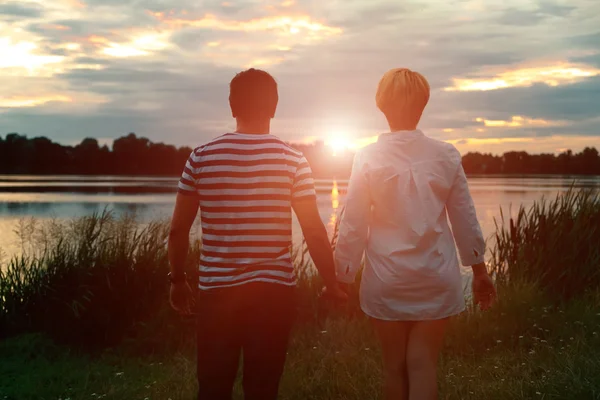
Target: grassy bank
<point>520,350</point>
<point>84,315</point>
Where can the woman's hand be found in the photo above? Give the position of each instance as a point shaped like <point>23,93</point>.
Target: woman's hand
<point>484,292</point>
<point>335,293</point>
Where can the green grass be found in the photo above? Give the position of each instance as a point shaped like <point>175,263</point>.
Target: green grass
<point>494,355</point>
<point>554,244</point>
<point>84,315</point>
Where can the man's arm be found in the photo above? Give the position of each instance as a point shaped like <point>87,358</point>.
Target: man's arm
<point>186,208</point>
<point>316,238</point>
<point>304,202</point>
<point>181,294</point>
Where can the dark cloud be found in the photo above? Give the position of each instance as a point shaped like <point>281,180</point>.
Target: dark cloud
<point>514,16</point>
<point>179,94</point>
<point>92,61</point>
<point>590,40</point>
<point>592,59</point>
<point>191,39</point>
<point>545,9</point>
<point>554,9</point>
<point>15,9</point>
<point>574,102</point>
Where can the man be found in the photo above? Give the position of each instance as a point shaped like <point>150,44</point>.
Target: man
<point>245,184</point>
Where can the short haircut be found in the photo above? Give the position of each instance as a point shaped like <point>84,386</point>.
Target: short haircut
<point>402,93</point>
<point>253,95</point>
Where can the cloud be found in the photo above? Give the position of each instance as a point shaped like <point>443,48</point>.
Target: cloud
<point>22,57</point>
<point>514,16</point>
<point>23,101</point>
<point>518,121</point>
<point>542,11</point>
<point>162,67</point>
<point>15,9</point>
<point>534,145</point>
<point>551,74</point>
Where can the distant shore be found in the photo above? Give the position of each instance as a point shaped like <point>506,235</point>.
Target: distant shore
<point>134,155</point>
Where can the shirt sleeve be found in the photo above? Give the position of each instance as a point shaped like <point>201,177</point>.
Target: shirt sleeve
<point>304,184</point>
<point>187,182</point>
<point>465,226</point>
<point>354,226</point>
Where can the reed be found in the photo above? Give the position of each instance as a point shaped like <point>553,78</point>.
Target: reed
<point>99,281</point>
<point>555,244</point>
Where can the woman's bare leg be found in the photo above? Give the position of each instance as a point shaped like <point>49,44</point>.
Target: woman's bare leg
<point>393,336</point>
<point>425,341</point>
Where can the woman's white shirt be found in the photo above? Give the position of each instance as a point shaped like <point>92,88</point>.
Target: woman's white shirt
<point>403,190</point>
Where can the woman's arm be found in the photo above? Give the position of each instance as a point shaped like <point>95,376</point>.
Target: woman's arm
<point>354,226</point>
<point>465,226</point>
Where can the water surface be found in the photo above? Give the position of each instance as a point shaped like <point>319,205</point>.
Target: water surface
<point>65,197</point>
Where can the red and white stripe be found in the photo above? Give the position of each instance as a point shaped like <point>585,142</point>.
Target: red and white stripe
<point>246,185</point>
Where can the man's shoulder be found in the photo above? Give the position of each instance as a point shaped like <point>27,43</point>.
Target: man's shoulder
<point>216,140</point>
<point>231,140</point>
<point>287,146</point>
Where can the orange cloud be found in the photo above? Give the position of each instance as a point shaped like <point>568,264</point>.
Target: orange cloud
<point>282,24</point>
<point>56,27</point>
<point>261,62</point>
<point>519,121</point>
<point>23,55</point>
<point>560,73</point>
<point>75,3</point>
<point>533,145</point>
<point>25,101</point>
<point>140,45</point>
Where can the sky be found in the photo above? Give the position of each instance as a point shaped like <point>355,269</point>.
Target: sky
<point>505,75</point>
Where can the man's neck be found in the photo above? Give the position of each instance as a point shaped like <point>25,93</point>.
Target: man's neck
<point>254,127</point>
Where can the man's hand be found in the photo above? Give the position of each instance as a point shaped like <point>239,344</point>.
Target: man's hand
<point>335,293</point>
<point>182,298</point>
<point>484,292</point>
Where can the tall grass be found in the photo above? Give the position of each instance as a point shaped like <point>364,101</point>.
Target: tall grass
<point>88,281</point>
<point>100,280</point>
<point>554,244</point>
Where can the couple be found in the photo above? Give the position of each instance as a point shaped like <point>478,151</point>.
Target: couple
<point>402,191</point>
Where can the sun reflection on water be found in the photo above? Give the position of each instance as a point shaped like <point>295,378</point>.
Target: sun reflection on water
<point>335,203</point>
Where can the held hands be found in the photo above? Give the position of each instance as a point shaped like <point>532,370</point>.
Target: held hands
<point>337,293</point>
<point>484,292</point>
<point>182,298</point>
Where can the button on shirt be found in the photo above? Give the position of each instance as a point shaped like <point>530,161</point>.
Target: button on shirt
<point>403,190</point>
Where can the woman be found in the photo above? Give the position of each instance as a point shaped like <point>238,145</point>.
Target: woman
<point>402,191</point>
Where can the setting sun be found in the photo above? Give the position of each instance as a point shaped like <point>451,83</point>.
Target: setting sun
<point>339,143</point>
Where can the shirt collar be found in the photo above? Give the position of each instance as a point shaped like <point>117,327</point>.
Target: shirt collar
<point>400,136</point>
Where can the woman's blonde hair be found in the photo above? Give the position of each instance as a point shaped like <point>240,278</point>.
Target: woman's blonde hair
<point>402,94</point>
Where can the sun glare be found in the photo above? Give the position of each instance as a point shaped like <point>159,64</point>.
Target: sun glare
<point>338,143</point>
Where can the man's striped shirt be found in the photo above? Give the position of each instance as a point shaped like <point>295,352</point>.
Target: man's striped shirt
<point>246,184</point>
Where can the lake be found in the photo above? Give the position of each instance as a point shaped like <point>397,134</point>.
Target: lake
<point>63,197</point>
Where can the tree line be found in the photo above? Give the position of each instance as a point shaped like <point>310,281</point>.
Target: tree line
<point>133,155</point>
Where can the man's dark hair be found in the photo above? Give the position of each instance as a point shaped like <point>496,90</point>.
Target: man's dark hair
<point>253,95</point>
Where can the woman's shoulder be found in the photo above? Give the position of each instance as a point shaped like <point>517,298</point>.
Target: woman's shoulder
<point>443,149</point>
